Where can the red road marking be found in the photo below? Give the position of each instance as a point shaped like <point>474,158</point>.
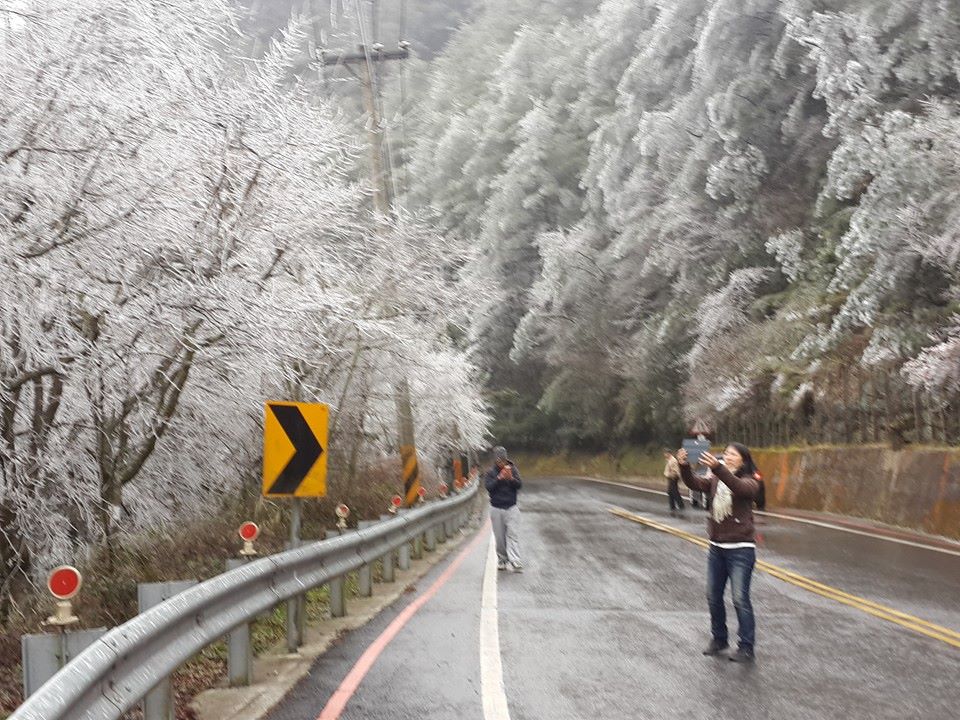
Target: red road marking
<point>341,696</point>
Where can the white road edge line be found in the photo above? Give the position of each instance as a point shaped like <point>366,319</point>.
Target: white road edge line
<point>805,521</point>
<point>491,664</point>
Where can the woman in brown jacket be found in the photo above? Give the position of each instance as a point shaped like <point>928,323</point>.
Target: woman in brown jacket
<point>731,488</point>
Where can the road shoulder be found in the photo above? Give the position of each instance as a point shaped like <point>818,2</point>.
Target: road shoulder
<point>277,672</point>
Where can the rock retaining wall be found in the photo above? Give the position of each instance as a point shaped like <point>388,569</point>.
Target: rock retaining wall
<point>915,488</point>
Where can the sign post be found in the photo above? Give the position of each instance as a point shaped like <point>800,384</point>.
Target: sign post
<point>295,466</point>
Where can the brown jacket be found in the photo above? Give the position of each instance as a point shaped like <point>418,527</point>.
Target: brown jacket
<point>739,526</point>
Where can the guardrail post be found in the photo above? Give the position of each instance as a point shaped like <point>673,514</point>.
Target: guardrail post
<point>403,557</point>
<point>239,647</point>
<point>430,539</point>
<point>158,704</point>
<point>45,654</point>
<point>416,551</point>
<point>338,597</point>
<point>296,615</point>
<point>403,552</point>
<point>440,532</point>
<point>365,573</point>
<point>386,572</point>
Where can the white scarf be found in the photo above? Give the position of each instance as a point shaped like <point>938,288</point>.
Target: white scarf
<point>722,502</point>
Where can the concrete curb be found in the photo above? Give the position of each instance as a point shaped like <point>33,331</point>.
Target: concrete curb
<point>277,672</point>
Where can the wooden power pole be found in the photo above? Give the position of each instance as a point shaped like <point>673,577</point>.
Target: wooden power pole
<point>365,58</point>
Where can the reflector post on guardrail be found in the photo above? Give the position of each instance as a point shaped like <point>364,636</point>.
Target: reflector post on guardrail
<point>343,512</point>
<point>45,654</point>
<point>248,532</point>
<point>64,583</point>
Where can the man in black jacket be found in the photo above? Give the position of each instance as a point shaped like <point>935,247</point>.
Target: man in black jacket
<point>502,482</point>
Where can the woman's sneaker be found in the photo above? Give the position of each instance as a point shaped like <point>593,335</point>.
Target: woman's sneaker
<point>742,655</point>
<point>502,565</point>
<point>715,648</point>
<point>517,567</point>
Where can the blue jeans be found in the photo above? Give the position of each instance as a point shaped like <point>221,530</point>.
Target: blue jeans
<point>736,564</point>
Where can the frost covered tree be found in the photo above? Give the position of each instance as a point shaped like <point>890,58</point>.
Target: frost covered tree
<point>704,144</point>
<point>180,240</point>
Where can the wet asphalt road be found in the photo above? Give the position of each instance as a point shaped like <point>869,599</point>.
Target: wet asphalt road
<point>609,619</point>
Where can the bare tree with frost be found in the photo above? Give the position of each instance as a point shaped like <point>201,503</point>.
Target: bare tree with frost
<point>181,240</point>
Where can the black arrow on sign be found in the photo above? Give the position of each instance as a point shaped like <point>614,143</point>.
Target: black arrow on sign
<point>305,445</point>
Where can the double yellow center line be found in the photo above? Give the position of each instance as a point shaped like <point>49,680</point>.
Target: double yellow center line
<point>929,629</point>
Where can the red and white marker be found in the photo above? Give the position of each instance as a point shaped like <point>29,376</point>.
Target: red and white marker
<point>64,583</point>
<point>395,502</point>
<point>249,531</point>
<point>343,512</point>
<point>443,489</point>
<point>422,493</point>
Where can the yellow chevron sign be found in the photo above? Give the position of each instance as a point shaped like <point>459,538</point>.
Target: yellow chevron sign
<point>295,449</point>
<point>411,474</point>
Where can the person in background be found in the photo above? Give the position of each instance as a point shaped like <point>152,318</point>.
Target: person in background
<point>731,490</point>
<point>671,471</point>
<point>502,482</point>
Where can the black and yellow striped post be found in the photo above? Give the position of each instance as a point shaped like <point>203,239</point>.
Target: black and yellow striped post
<point>411,475</point>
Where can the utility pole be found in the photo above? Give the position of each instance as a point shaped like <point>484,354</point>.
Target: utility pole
<point>382,204</point>
<point>365,58</point>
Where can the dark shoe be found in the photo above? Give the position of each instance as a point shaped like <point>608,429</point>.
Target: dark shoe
<point>742,655</point>
<point>715,648</point>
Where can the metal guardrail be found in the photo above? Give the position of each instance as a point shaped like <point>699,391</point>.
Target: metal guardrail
<point>114,673</point>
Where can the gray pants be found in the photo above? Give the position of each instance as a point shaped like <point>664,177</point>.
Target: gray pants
<point>506,531</point>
